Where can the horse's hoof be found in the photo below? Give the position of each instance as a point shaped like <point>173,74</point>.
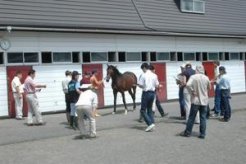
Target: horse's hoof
<point>113,113</point>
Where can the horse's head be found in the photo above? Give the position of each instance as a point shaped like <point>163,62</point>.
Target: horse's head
<point>110,72</point>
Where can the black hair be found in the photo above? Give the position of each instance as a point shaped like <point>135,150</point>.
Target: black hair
<point>151,67</point>
<point>68,73</point>
<point>145,65</point>
<point>31,72</point>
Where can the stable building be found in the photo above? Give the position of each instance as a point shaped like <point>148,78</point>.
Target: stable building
<point>52,36</point>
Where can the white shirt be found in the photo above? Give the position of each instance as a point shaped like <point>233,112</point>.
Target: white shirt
<point>224,82</point>
<point>88,98</point>
<point>65,84</point>
<point>16,83</point>
<point>199,85</point>
<point>149,81</point>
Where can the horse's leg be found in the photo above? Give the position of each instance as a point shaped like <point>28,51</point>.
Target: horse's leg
<point>124,101</point>
<point>133,97</point>
<point>115,98</point>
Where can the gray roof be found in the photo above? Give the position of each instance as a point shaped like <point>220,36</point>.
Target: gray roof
<point>222,17</point>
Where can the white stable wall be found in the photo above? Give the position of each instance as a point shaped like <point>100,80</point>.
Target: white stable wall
<point>3,92</point>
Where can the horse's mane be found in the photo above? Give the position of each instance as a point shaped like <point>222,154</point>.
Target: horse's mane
<point>115,69</point>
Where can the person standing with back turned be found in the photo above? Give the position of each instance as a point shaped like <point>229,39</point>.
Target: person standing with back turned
<point>199,86</point>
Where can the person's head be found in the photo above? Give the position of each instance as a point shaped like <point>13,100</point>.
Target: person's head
<point>182,67</point>
<point>94,72</point>
<point>68,73</point>
<point>199,69</point>
<point>152,68</point>
<point>216,63</point>
<point>145,67</point>
<point>18,74</point>
<point>75,75</point>
<point>32,73</point>
<point>222,70</point>
<point>188,65</point>
<point>86,74</point>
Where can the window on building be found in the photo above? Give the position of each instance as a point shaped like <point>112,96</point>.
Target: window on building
<point>46,57</point>
<point>227,56</point>
<point>163,56</point>
<point>204,56</point>
<point>198,56</point>
<point>75,56</point>
<point>122,56</point>
<point>62,57</point>
<point>234,56</point>
<point>112,57</point>
<point>31,57</point>
<point>15,57</point>
<point>213,56</point>
<point>144,56</point>
<point>242,56</point>
<point>86,57</point>
<point>180,56</point>
<point>173,56</point>
<point>99,57</point>
<point>1,58</point>
<point>221,56</point>
<point>189,56</point>
<point>152,56</point>
<point>193,6</point>
<point>133,56</point>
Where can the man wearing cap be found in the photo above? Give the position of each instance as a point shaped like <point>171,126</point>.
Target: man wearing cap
<point>65,82</point>
<point>199,86</point>
<point>86,107</point>
<point>73,92</point>
<point>225,88</point>
<point>17,89</point>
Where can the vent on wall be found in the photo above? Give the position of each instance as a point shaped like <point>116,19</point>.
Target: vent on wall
<point>192,6</point>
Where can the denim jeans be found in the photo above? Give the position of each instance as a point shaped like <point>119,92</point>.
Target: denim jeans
<point>225,103</point>
<point>146,106</point>
<point>181,102</point>
<point>203,113</point>
<point>217,100</point>
<point>159,107</point>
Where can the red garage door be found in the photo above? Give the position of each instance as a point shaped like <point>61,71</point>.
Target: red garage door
<point>98,67</point>
<point>209,68</point>
<point>160,70</point>
<point>10,75</point>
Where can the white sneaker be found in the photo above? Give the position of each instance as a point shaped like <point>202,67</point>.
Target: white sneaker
<point>149,128</point>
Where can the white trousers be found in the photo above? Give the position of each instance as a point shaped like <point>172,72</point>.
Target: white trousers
<point>33,109</point>
<point>82,111</point>
<point>187,106</point>
<point>18,105</point>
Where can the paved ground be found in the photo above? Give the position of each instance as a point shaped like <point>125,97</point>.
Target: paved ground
<point>121,139</point>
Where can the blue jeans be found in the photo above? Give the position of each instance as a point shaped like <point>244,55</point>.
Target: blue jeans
<point>181,102</point>
<point>203,113</point>
<point>146,106</point>
<point>217,100</point>
<point>159,107</point>
<point>225,103</point>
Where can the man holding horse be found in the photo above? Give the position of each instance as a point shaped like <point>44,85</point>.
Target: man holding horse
<point>148,82</point>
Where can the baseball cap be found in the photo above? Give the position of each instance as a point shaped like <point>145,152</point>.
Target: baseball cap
<point>75,73</point>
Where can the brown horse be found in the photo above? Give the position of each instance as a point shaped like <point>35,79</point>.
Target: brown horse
<point>121,83</point>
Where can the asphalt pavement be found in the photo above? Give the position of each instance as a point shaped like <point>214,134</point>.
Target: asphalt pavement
<point>122,140</point>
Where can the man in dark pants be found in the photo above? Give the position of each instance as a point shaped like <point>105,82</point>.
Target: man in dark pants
<point>225,87</point>
<point>65,91</point>
<point>149,83</point>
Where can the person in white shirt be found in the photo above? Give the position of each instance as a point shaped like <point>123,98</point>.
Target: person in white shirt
<point>86,107</point>
<point>17,89</point>
<point>65,91</point>
<point>149,83</point>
